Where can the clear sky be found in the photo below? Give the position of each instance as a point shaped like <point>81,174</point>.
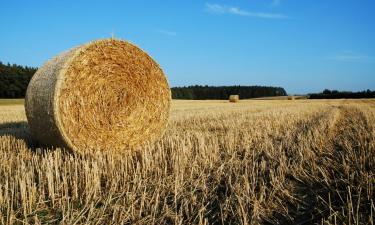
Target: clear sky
<point>301,45</point>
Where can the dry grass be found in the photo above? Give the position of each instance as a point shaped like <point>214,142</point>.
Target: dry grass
<point>104,95</point>
<point>11,101</point>
<point>296,97</point>
<point>257,162</point>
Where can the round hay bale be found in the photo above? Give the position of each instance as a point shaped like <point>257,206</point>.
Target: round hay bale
<point>234,98</point>
<point>106,95</point>
<point>291,97</point>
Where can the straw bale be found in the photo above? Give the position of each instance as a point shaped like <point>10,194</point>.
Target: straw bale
<point>106,95</point>
<point>234,98</point>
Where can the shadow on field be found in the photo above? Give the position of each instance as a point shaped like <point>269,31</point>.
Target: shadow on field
<point>18,130</point>
<point>20,133</point>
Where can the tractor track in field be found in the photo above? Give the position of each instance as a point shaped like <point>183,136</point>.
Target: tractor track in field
<point>347,137</point>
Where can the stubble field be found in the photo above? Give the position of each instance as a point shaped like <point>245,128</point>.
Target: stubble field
<point>253,162</point>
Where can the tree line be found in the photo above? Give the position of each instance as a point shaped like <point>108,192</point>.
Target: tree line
<point>198,92</point>
<point>334,94</point>
<point>14,80</point>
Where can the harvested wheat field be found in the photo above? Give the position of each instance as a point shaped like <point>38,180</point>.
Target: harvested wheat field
<point>255,162</point>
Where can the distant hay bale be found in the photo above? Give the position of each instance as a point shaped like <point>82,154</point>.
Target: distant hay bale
<point>234,98</point>
<point>291,97</point>
<point>106,95</point>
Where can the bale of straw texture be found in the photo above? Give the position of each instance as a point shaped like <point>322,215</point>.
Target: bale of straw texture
<point>291,97</point>
<point>106,95</point>
<point>234,98</point>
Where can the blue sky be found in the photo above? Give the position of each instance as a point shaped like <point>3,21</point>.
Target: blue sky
<point>301,45</point>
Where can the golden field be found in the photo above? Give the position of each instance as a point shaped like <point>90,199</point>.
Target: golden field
<point>252,162</point>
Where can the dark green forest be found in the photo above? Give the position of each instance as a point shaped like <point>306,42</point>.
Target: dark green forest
<point>334,94</point>
<point>14,80</point>
<point>222,92</point>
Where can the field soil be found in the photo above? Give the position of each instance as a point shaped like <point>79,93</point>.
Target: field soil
<point>252,162</point>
